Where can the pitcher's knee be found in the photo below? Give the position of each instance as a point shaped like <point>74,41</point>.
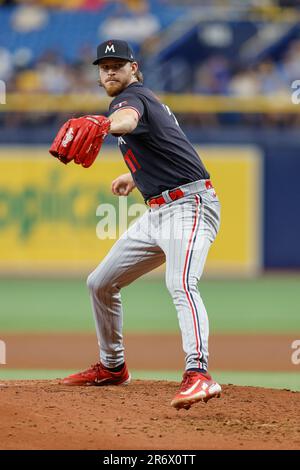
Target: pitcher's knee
<point>90,282</point>
<point>174,287</point>
<point>96,282</point>
<point>179,287</point>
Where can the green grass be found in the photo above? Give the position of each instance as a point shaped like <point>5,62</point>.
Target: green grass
<point>265,305</point>
<point>33,374</point>
<point>280,380</point>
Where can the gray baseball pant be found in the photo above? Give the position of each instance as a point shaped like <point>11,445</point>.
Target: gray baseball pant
<point>179,233</point>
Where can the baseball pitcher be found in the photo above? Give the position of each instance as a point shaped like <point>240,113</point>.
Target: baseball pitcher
<point>182,203</point>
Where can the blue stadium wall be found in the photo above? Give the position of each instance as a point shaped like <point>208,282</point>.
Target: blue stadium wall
<point>282,206</point>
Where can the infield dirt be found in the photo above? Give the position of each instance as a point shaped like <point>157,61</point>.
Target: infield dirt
<point>47,415</point>
<point>148,351</point>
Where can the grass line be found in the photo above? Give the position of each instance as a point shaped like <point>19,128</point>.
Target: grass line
<point>279,380</point>
<point>266,305</point>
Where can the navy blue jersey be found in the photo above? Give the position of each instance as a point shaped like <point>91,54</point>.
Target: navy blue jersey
<point>157,152</point>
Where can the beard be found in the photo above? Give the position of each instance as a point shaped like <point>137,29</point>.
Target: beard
<point>113,88</point>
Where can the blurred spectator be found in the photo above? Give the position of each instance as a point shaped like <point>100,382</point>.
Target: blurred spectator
<point>6,64</point>
<point>270,79</point>
<point>25,71</point>
<point>132,5</point>
<point>74,4</point>
<point>212,76</point>
<point>245,83</point>
<point>290,64</point>
<point>131,22</point>
<point>28,18</point>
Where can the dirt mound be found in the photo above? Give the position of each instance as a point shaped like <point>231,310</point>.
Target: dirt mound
<point>46,415</point>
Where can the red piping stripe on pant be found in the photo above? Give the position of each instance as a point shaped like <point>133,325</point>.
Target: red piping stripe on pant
<point>185,284</point>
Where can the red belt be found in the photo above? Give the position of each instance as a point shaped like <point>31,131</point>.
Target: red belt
<point>174,194</point>
<point>159,200</point>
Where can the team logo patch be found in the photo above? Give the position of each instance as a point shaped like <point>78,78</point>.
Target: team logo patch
<point>68,137</point>
<point>110,48</point>
<point>119,105</point>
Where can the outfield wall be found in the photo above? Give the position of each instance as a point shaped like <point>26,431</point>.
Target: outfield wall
<point>49,224</point>
<point>48,215</point>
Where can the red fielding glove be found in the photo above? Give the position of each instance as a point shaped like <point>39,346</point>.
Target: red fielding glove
<point>80,140</point>
<point>62,142</point>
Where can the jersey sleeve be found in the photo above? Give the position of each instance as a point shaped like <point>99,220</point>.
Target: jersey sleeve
<point>127,102</point>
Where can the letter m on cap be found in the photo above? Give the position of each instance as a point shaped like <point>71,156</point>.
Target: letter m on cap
<point>109,48</point>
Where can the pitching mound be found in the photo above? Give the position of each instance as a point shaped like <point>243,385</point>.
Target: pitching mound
<point>46,415</point>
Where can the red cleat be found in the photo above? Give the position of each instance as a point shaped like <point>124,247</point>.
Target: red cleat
<point>195,386</point>
<point>98,375</point>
